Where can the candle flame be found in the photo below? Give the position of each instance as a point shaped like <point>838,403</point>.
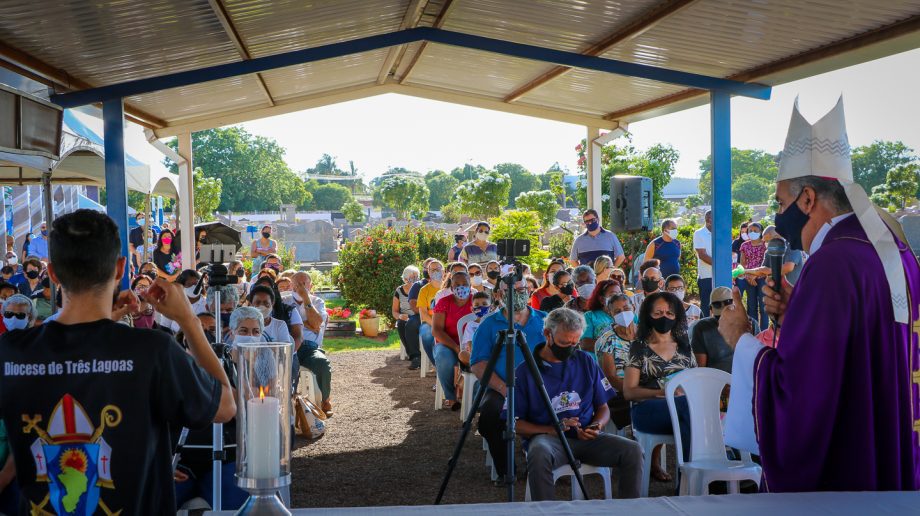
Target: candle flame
<point>261,393</point>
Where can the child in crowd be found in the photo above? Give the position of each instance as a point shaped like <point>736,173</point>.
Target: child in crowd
<point>482,304</point>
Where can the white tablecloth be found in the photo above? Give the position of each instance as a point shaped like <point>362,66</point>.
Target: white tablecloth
<point>792,504</point>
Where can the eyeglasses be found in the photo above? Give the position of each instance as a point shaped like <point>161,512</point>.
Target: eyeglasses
<point>476,273</point>
<point>589,221</point>
<point>674,289</point>
<point>10,315</point>
<point>720,304</point>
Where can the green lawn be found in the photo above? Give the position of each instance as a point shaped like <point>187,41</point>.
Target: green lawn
<point>336,344</point>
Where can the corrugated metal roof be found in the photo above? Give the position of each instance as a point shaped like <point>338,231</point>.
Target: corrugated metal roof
<point>110,41</point>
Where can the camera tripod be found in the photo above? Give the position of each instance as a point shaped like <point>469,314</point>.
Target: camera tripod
<point>509,339</point>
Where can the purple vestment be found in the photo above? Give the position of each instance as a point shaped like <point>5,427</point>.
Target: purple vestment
<point>834,403</point>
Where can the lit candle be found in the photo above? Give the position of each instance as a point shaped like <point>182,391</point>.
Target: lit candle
<point>263,436</point>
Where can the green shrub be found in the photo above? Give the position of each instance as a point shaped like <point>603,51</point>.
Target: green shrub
<point>560,244</point>
<point>635,243</point>
<point>521,224</point>
<point>370,267</point>
<point>432,243</point>
<point>321,280</point>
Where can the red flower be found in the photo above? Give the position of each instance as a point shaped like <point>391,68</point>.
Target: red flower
<point>379,261</point>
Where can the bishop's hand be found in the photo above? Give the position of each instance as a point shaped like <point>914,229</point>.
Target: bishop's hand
<point>734,321</point>
<point>775,302</point>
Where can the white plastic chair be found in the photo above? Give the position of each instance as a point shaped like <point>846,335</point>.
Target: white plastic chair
<point>426,364</point>
<point>703,387</point>
<point>310,386</point>
<point>469,379</point>
<point>648,442</point>
<point>489,462</point>
<point>586,469</point>
<point>402,352</point>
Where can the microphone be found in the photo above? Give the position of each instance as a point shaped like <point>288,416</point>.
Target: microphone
<point>776,249</point>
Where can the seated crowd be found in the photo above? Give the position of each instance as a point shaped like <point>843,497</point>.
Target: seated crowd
<point>605,352</point>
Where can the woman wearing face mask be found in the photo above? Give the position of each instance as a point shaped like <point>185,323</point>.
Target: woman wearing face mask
<point>666,249</point>
<point>597,319</point>
<point>165,256</point>
<point>148,269</point>
<point>262,247</point>
<point>246,325</point>
<point>447,312</point>
<point>402,309</point>
<point>752,253</point>
<point>612,349</point>
<point>562,282</point>
<point>242,286</point>
<point>229,300</point>
<point>661,350</point>
<point>676,285</point>
<point>30,281</point>
<point>477,280</point>
<point>583,275</point>
<point>145,316</point>
<point>547,288</point>
<point>18,313</point>
<point>492,275</point>
<point>480,250</point>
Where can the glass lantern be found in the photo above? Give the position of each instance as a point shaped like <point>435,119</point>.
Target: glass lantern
<point>263,424</point>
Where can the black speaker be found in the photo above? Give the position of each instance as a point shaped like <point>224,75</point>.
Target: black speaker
<point>631,203</point>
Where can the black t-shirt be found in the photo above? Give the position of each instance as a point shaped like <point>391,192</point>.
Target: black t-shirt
<point>88,409</point>
<point>164,261</point>
<point>136,237</point>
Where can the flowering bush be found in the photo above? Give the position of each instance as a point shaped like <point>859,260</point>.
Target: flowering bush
<point>338,312</point>
<point>370,268</point>
<point>367,313</point>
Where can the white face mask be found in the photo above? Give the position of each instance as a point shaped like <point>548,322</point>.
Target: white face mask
<point>744,236</point>
<point>586,290</point>
<point>287,296</point>
<point>482,236</point>
<point>265,311</point>
<point>672,233</point>
<point>754,236</point>
<point>12,260</point>
<point>247,339</point>
<point>477,281</point>
<point>680,294</point>
<point>297,297</point>
<point>624,318</point>
<point>190,291</point>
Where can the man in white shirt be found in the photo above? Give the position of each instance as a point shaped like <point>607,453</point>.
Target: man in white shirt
<point>702,243</point>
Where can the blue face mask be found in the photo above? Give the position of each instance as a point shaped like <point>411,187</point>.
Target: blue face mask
<point>593,225</point>
<point>462,291</point>
<point>481,311</point>
<point>13,323</point>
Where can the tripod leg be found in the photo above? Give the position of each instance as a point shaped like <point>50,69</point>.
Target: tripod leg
<point>548,404</point>
<point>468,423</point>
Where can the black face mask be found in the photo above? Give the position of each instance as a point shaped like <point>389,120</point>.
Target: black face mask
<point>31,274</point>
<point>562,352</point>
<point>210,336</point>
<point>567,289</point>
<point>789,224</point>
<point>493,275</point>
<point>649,284</point>
<point>663,324</point>
<point>240,273</point>
<point>266,234</point>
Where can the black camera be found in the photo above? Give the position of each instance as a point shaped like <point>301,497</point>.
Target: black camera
<point>513,247</point>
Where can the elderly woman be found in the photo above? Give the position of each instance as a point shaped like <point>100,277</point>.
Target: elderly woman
<point>402,309</point>
<point>447,312</point>
<point>661,350</point>
<point>584,279</point>
<point>246,325</point>
<point>18,313</point>
<point>480,250</point>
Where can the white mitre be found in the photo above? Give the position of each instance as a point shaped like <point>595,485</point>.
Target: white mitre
<point>822,149</point>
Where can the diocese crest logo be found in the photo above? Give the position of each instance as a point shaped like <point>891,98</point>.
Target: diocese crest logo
<point>566,400</point>
<point>73,458</point>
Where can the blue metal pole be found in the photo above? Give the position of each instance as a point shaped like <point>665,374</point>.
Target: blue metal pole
<point>720,103</point>
<point>116,188</point>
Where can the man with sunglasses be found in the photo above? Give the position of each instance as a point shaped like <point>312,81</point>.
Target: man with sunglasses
<point>595,241</point>
<point>709,347</point>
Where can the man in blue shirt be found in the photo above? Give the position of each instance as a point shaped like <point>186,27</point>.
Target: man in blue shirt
<point>595,241</point>
<point>579,393</point>
<point>39,246</point>
<point>528,320</point>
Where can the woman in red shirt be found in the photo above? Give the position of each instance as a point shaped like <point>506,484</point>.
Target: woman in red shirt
<point>447,312</point>
<point>546,289</point>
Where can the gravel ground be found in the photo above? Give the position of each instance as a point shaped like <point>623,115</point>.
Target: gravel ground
<point>386,445</point>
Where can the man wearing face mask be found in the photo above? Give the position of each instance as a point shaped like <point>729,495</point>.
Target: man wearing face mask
<point>579,393</point>
<point>595,241</point>
<point>651,282</point>
<point>39,245</point>
<point>136,241</point>
<point>666,249</point>
<point>835,403</point>
<point>419,325</point>
<point>530,322</point>
<point>709,347</point>
<point>480,251</point>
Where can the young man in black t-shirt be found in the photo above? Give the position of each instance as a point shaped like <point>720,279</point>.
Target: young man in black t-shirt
<point>88,402</point>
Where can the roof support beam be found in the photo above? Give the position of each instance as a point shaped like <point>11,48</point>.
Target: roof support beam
<point>438,23</point>
<point>519,50</point>
<point>633,29</point>
<point>19,62</point>
<point>411,18</point>
<point>220,11</point>
<point>894,30</point>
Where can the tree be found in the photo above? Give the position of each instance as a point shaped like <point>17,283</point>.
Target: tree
<point>541,202</point>
<point>405,194</point>
<point>330,197</point>
<point>521,224</point>
<point>745,162</point>
<point>450,213</point>
<point>741,213</point>
<point>441,188</point>
<point>750,189</point>
<point>521,179</point>
<point>326,166</point>
<point>554,182</point>
<point>694,201</point>
<point>484,197</point>
<point>871,163</point>
<point>251,168</point>
<point>207,195</point>
<point>353,211</point>
<point>468,172</point>
<point>900,188</point>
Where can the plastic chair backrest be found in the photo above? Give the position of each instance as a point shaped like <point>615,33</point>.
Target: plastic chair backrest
<point>461,325</point>
<point>702,387</point>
